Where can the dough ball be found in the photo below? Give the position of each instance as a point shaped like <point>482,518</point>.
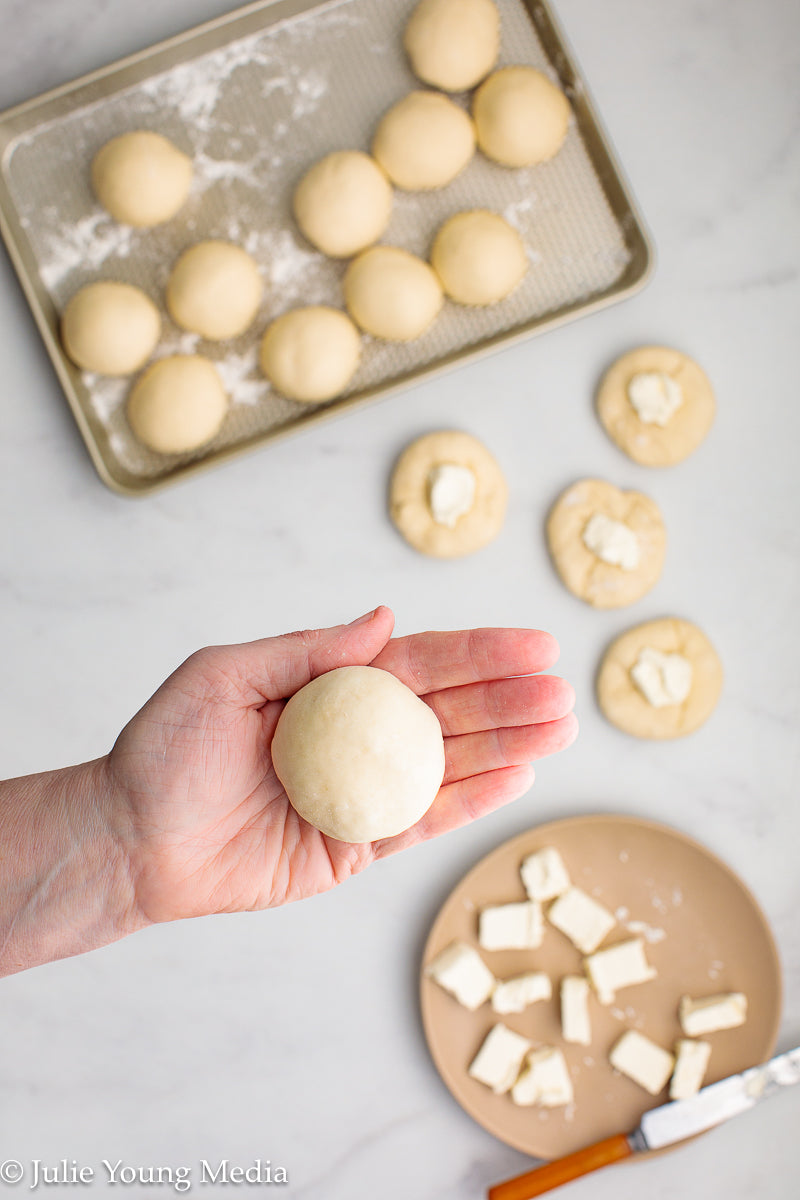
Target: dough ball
<point>452,44</point>
<point>479,257</point>
<point>215,290</point>
<point>448,495</point>
<point>424,141</point>
<point>520,116</point>
<point>360,756</point>
<point>607,545</point>
<point>656,404</point>
<point>178,404</point>
<point>343,203</point>
<point>624,703</point>
<point>111,328</point>
<point>311,354</point>
<point>140,178</point>
<point>392,294</point>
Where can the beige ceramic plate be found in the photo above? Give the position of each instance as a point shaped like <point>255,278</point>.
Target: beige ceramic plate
<point>704,932</point>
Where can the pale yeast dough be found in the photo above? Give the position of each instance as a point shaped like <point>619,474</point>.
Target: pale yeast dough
<point>452,44</point>
<point>392,294</point>
<point>479,257</point>
<point>520,116</point>
<point>624,703</point>
<point>677,433</point>
<point>215,290</point>
<point>111,328</point>
<point>178,404</point>
<point>424,141</point>
<point>311,354</point>
<point>141,178</point>
<point>448,495</point>
<point>343,203</point>
<point>360,755</point>
<point>572,521</point>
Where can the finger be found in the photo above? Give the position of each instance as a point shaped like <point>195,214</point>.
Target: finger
<point>475,753</point>
<point>502,702</point>
<point>428,662</point>
<point>274,668</point>
<point>459,803</point>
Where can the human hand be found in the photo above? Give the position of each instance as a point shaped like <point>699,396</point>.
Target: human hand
<point>210,828</point>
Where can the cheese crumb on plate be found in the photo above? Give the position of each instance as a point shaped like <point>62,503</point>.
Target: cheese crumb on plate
<point>642,1061</point>
<point>498,1062</point>
<point>581,919</point>
<point>511,926</point>
<point>712,1013</point>
<point>514,995</point>
<point>544,1080</point>
<point>461,971</point>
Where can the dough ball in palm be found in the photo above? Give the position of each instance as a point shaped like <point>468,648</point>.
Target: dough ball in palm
<point>360,755</point>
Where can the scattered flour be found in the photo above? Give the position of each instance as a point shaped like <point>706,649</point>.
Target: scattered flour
<point>85,244</point>
<point>239,374</point>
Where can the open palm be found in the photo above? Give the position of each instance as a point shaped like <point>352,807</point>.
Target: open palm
<point>212,829</point>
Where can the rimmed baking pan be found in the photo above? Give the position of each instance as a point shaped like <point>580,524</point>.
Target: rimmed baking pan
<point>255,97</point>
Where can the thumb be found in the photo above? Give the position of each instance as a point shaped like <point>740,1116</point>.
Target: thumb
<point>275,668</point>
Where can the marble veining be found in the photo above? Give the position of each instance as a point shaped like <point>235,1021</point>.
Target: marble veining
<point>293,1036</point>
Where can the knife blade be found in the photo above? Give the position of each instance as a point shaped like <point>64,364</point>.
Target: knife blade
<point>661,1127</point>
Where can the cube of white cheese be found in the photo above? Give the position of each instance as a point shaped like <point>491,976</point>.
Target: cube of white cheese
<point>582,919</point>
<point>511,926</point>
<point>461,971</point>
<point>691,1061</point>
<point>544,875</point>
<point>544,1080</point>
<point>712,1013</point>
<point>498,1062</point>
<point>642,1061</point>
<point>575,1025</point>
<point>514,995</point>
<point>618,967</point>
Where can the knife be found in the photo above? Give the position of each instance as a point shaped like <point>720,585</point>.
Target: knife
<point>661,1127</point>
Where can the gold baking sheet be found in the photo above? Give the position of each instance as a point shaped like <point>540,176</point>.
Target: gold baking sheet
<point>255,97</point>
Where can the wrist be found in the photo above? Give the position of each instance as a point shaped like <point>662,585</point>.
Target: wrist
<point>68,882</point>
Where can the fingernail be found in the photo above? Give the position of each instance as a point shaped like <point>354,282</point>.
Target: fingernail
<point>363,620</point>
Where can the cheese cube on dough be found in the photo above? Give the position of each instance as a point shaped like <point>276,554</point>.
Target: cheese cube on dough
<point>514,995</point>
<point>511,926</point>
<point>575,1025</point>
<point>498,1062</point>
<point>642,1061</point>
<point>691,1060</point>
<point>617,967</point>
<point>544,875</point>
<point>544,1080</point>
<point>461,971</point>
<point>582,919</point>
<point>712,1013</point>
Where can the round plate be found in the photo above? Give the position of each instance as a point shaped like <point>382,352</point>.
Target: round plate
<point>704,933</point>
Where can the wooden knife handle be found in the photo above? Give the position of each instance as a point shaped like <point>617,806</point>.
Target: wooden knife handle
<point>553,1174</point>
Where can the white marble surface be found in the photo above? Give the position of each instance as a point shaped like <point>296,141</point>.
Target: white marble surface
<point>294,1035</point>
